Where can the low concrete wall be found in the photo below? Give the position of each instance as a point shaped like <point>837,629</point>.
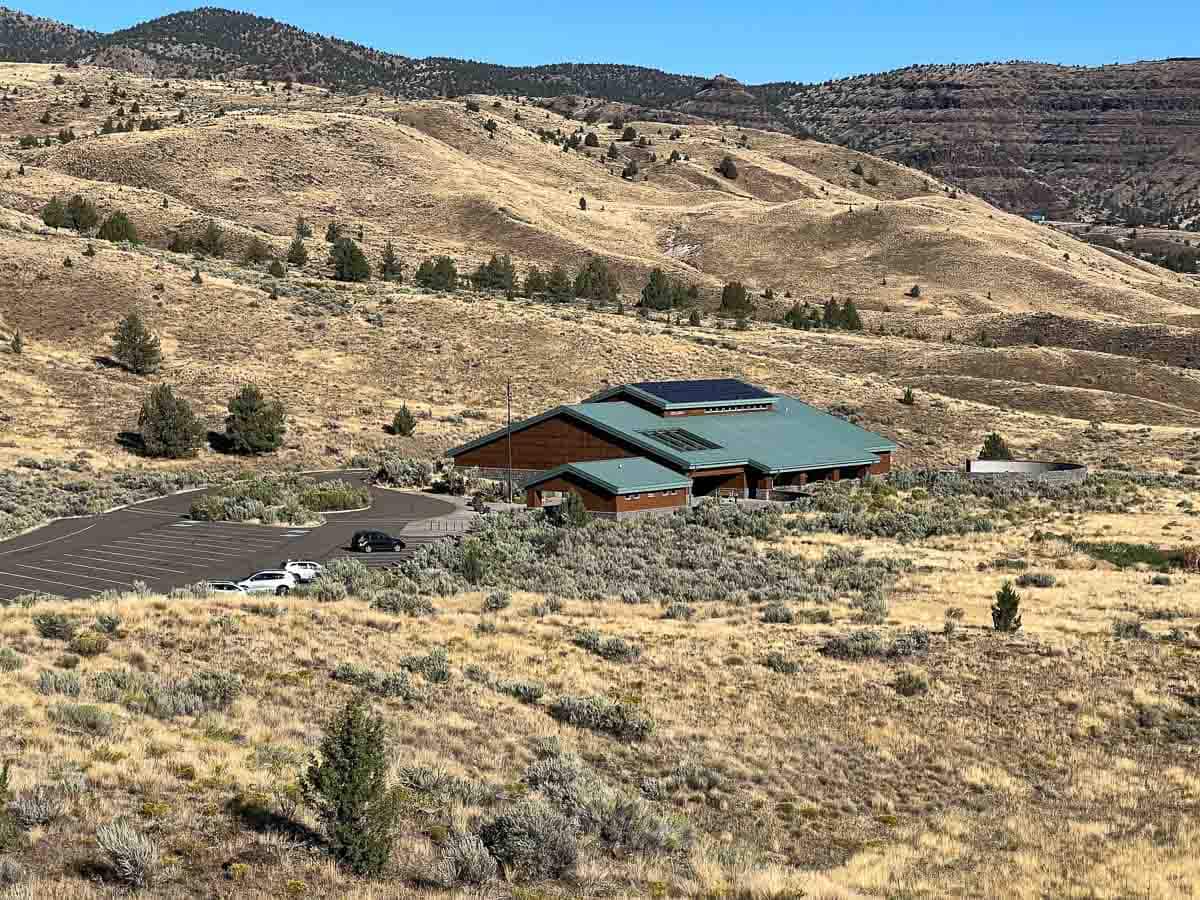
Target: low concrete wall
<point>1026,470</point>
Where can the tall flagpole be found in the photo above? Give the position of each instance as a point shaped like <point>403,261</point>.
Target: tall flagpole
<point>508,395</point>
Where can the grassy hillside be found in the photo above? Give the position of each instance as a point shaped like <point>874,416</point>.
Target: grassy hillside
<point>933,752</point>
<point>801,218</point>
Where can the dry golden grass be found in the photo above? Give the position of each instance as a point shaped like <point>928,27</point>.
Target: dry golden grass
<point>1036,765</point>
<point>427,176</point>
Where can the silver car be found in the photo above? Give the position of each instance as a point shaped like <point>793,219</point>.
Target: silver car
<point>270,581</point>
<point>304,570</point>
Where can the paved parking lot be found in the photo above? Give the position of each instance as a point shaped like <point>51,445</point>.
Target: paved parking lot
<point>157,544</point>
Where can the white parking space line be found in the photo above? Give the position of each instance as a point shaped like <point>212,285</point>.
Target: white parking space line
<point>99,551</point>
<point>107,569</point>
<point>255,533</point>
<point>71,574</point>
<point>77,587</point>
<point>117,562</point>
<point>211,542</point>
<point>148,549</point>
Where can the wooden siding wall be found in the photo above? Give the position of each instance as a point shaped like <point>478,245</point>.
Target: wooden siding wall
<point>547,444</point>
<point>591,496</point>
<point>884,465</point>
<point>719,480</point>
<point>667,501</point>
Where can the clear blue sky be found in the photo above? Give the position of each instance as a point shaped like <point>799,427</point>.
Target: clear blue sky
<point>768,40</point>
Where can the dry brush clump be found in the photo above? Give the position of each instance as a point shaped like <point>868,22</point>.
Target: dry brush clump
<point>288,500</point>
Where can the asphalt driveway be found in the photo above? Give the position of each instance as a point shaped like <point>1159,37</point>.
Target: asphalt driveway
<point>156,543</point>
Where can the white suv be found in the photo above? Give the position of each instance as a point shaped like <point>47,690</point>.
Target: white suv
<point>271,581</point>
<point>304,570</point>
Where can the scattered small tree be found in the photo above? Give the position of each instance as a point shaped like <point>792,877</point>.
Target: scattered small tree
<point>583,203</point>
<point>558,285</point>
<point>212,240</point>
<point>909,398</point>
<point>404,423</point>
<point>390,268</point>
<point>18,342</point>
<point>256,251</point>
<point>497,274</point>
<point>572,512</point>
<point>303,229</point>
<point>914,291</point>
<point>1006,611</point>
<point>135,347</point>
<point>276,269</point>
<point>535,283</point>
<point>657,294</point>
<point>254,424</point>
<point>694,318</point>
<point>333,231</point>
<point>631,169</point>
<point>347,785</point>
<point>596,282</point>
<point>851,320</point>
<point>728,168</point>
<point>995,447</point>
<point>439,274</point>
<point>591,140</point>
<point>54,214</point>
<point>735,299</point>
<point>168,426</point>
<point>118,228</point>
<point>629,134</point>
<point>297,254</point>
<point>349,263</point>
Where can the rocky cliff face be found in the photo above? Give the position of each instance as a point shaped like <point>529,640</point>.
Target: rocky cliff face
<point>1029,136</point>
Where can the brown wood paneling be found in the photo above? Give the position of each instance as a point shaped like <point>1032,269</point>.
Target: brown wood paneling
<point>666,500</point>
<point>884,465</point>
<point>547,444</point>
<point>591,495</point>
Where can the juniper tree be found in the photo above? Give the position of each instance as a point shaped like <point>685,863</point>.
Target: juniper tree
<point>404,423</point>
<point>168,426</point>
<point>118,228</point>
<point>256,251</point>
<point>135,347</point>
<point>390,268</point>
<point>54,214</point>
<point>333,231</point>
<point>851,320</point>
<point>276,269</point>
<point>558,285</point>
<point>497,274</point>
<point>297,253</point>
<point>595,281</point>
<point>347,785</point>
<point>349,263</point>
<point>728,168</point>
<point>995,447</point>
<point>535,282</point>
<point>572,512</point>
<point>629,134</point>
<point>212,240</point>
<point>439,274</point>
<point>591,140</point>
<point>18,342</point>
<point>631,169</point>
<point>303,229</point>
<point>254,424</point>
<point>734,298</point>
<point>657,294</point>
<point>1006,611</point>
<point>583,203</point>
<point>694,318</point>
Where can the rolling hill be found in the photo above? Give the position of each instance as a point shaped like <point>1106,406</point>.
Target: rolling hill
<point>1115,141</point>
<point>1103,337</point>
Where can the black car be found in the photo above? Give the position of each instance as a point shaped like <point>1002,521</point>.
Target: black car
<point>366,541</point>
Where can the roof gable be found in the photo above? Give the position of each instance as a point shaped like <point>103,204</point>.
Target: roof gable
<point>620,476</point>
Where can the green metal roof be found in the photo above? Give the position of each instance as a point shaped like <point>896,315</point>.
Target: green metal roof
<point>692,394</point>
<point>621,476</point>
<point>793,437</point>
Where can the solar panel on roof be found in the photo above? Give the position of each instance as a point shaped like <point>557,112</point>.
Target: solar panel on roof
<point>681,439</point>
<point>713,390</point>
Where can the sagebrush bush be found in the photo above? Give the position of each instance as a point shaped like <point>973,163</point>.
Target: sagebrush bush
<point>614,649</point>
<point>55,626</point>
<point>465,859</point>
<point>52,682</point>
<point>778,614</point>
<point>382,684</point>
<point>89,643</point>
<point>1036,579</point>
<point>777,662</point>
<point>108,623</point>
<point>134,857</point>
<point>401,603</point>
<point>434,667</point>
<point>10,660</point>
<point>497,601</point>
<point>532,839</point>
<point>680,611</point>
<point>911,683</point>
<point>83,718</point>
<point>598,713</point>
<point>38,806</point>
